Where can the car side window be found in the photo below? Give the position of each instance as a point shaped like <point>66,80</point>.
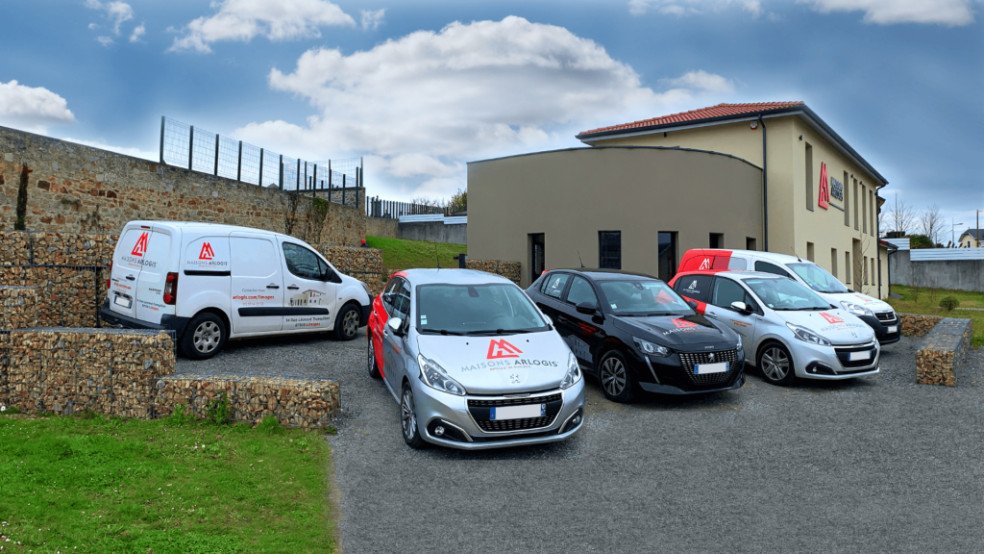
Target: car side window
<point>388,293</point>
<point>771,268</point>
<point>555,283</point>
<point>401,300</point>
<point>581,291</point>
<point>737,264</point>
<point>696,287</point>
<point>727,291</point>
<point>302,262</point>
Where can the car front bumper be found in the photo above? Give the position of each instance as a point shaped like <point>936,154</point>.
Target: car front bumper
<point>463,430</point>
<point>669,375</point>
<point>883,328</point>
<point>812,361</point>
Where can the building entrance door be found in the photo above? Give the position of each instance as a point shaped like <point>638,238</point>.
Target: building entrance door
<point>537,255</point>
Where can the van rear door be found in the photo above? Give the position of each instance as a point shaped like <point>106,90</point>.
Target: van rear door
<point>127,263</point>
<point>155,263</point>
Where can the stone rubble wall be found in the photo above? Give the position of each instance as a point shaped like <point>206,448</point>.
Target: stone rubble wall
<point>943,349</point>
<point>382,227</point>
<point>365,264</point>
<point>914,325</point>
<point>509,270</point>
<point>17,307</point>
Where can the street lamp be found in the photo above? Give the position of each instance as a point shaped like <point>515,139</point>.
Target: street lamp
<point>952,227</point>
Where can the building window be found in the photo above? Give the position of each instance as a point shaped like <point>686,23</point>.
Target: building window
<point>847,268</point>
<point>716,240</point>
<point>855,195</point>
<point>750,243</point>
<point>610,249</point>
<point>833,262</point>
<point>809,176</point>
<point>872,262</point>
<point>537,255</point>
<point>873,211</point>
<point>864,269</point>
<point>667,255</point>
<point>809,251</point>
<point>847,202</point>
<point>864,209</point>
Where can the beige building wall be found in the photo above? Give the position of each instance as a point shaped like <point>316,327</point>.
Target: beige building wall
<point>571,195</point>
<point>793,227</point>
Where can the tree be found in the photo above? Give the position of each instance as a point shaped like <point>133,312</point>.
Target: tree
<point>901,217</point>
<point>459,202</point>
<point>920,241</point>
<point>931,223</point>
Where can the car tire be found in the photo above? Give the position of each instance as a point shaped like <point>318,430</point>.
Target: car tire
<point>371,359</point>
<point>347,323</point>
<point>204,337</point>
<point>408,420</point>
<point>776,364</point>
<point>616,380</point>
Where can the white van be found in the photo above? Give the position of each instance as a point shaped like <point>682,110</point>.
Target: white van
<point>879,315</point>
<point>209,283</point>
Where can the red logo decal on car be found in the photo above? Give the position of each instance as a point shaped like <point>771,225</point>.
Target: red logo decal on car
<point>207,253</point>
<point>683,324</point>
<point>502,349</point>
<point>140,248</point>
<point>705,264</point>
<point>831,318</point>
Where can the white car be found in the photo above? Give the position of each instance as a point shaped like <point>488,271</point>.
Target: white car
<point>209,282</point>
<point>879,315</point>
<point>788,330</point>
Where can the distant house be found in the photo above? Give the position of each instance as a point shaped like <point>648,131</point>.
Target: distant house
<point>972,238</point>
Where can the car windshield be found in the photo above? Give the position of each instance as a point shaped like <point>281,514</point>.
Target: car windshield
<point>818,278</point>
<point>494,309</point>
<point>786,295</point>
<point>643,298</point>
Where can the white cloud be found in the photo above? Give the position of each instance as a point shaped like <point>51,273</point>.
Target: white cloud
<point>104,40</point>
<point>243,20</point>
<point>423,104</point>
<point>116,14</point>
<point>138,33</point>
<point>371,19</point>
<point>888,12</point>
<point>692,7</point>
<point>32,108</point>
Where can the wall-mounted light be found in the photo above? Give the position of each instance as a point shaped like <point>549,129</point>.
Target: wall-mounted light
<point>801,137</point>
<point>753,125</point>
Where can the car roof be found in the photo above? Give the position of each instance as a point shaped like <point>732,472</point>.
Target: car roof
<point>734,274</point>
<point>603,274</point>
<point>201,226</point>
<point>768,256</point>
<point>450,276</point>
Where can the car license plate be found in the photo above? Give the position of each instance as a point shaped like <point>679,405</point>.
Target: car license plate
<point>517,412</point>
<point>703,369</point>
<point>122,301</point>
<point>857,356</point>
<point>893,328</point>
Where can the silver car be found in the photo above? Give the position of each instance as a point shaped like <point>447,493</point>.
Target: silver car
<point>472,362</point>
<point>788,330</point>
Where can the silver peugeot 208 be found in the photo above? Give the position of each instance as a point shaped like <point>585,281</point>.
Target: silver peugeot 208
<point>472,362</point>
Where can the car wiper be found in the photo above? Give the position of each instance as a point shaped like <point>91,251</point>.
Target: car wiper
<point>500,332</point>
<point>441,332</point>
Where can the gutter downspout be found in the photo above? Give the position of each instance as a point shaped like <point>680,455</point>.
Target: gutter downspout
<point>765,185</point>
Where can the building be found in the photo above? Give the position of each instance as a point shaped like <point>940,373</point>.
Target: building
<point>770,176</point>
<point>972,238</point>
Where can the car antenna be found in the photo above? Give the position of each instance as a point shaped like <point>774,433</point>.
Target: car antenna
<point>579,259</point>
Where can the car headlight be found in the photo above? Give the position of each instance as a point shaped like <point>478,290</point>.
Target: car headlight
<point>857,309</point>
<point>573,372</point>
<point>740,346</point>
<point>436,377</point>
<point>647,347</point>
<point>806,335</point>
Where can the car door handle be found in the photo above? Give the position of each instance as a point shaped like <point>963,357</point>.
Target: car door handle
<point>131,278</point>
<point>293,287</point>
<point>273,287</point>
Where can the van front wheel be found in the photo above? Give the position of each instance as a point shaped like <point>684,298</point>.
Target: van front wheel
<point>204,337</point>
<point>347,323</point>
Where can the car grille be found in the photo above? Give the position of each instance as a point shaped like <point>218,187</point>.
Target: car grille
<point>479,409</point>
<point>885,316</point>
<point>690,359</point>
<point>843,355</point>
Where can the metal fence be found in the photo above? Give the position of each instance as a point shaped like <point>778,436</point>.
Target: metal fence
<point>392,209</point>
<point>186,146</point>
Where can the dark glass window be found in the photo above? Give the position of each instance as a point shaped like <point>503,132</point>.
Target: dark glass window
<point>304,263</point>
<point>610,249</point>
<point>581,291</point>
<point>667,255</point>
<point>537,255</point>
<point>771,268</point>
<point>694,287</point>
<point>750,243</point>
<point>727,291</point>
<point>716,240</point>
<point>555,283</point>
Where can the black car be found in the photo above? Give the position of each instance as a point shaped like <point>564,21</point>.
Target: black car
<point>634,332</point>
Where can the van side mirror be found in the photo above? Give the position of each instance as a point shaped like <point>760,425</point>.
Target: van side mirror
<point>331,276</point>
<point>587,308</point>
<point>396,325</point>
<point>741,307</point>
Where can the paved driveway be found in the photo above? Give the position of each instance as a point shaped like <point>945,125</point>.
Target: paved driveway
<point>879,464</point>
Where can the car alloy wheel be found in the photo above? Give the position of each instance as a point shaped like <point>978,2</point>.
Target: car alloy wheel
<point>371,359</point>
<point>207,337</point>
<point>613,376</point>
<point>408,419</point>
<point>776,364</point>
<point>350,323</point>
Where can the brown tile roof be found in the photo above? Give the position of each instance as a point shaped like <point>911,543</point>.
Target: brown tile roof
<point>720,111</point>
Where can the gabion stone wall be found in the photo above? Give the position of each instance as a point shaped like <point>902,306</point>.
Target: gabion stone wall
<point>918,325</point>
<point>509,270</point>
<point>18,307</point>
<point>365,264</point>
<point>944,348</point>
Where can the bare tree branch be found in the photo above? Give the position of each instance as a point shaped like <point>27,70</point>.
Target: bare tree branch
<point>931,222</point>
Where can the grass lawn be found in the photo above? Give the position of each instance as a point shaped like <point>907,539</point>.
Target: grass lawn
<point>111,485</point>
<point>403,254</point>
<point>927,301</point>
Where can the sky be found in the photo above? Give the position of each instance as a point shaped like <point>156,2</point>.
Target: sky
<point>419,88</point>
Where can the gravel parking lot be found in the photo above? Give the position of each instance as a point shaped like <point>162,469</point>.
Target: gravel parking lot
<point>879,464</point>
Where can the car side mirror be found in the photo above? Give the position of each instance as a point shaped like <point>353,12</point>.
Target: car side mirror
<point>396,325</point>
<point>587,308</point>
<point>692,304</point>
<point>741,307</point>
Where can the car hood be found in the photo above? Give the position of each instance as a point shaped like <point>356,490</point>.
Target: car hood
<point>686,333</point>
<point>505,364</point>
<point>837,326</point>
<point>869,302</point>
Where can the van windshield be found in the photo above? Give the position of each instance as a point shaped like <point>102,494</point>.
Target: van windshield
<point>493,309</point>
<point>818,279</point>
<point>786,295</point>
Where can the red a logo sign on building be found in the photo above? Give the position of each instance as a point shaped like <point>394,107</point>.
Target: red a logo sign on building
<point>502,349</point>
<point>140,248</point>
<point>824,199</point>
<point>207,253</point>
<point>831,318</point>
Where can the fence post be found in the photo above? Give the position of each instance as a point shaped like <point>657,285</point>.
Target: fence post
<point>191,145</point>
<point>215,170</point>
<point>298,180</point>
<point>162,139</point>
<point>314,182</point>
<point>281,178</point>
<point>259,180</point>
<point>343,188</point>
<point>239,163</point>
<point>329,180</point>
